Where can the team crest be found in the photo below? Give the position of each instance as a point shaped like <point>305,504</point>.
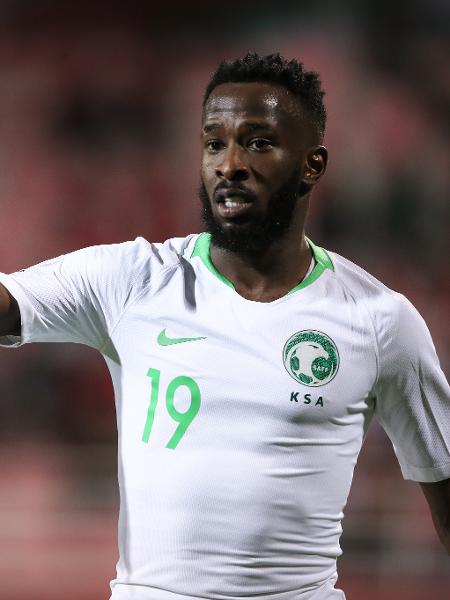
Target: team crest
<point>311,357</point>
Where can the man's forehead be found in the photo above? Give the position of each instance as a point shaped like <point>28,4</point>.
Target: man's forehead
<point>252,98</point>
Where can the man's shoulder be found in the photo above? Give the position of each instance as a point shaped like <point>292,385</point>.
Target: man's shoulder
<point>359,282</point>
<point>389,308</point>
<point>133,254</point>
<point>130,264</point>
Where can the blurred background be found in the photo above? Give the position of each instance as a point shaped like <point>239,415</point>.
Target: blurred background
<point>99,124</point>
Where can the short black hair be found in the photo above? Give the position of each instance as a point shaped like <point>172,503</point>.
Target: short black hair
<point>273,68</point>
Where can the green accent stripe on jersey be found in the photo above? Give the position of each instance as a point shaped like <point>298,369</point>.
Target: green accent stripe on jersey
<point>323,262</point>
<point>201,249</point>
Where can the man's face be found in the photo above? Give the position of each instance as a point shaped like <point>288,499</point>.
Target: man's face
<point>255,141</point>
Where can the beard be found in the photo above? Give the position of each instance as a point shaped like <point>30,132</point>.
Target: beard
<point>256,235</point>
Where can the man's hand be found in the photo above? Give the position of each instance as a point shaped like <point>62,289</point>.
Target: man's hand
<point>9,313</point>
<point>438,498</point>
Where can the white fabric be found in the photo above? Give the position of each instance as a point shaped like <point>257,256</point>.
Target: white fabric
<point>250,501</point>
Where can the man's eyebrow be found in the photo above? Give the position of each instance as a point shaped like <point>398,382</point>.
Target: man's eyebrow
<point>251,125</point>
<point>256,125</point>
<point>210,127</point>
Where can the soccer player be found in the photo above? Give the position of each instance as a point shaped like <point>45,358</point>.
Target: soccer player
<point>247,363</point>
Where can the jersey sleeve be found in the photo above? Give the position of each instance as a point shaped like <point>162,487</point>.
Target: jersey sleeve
<point>412,394</point>
<point>78,297</point>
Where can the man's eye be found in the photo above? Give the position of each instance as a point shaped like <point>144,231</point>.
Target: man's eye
<point>213,145</point>
<point>260,144</point>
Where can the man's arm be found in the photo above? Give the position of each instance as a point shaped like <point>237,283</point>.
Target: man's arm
<point>438,498</point>
<point>9,313</point>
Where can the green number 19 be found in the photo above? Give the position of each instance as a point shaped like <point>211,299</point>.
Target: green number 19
<point>184,419</point>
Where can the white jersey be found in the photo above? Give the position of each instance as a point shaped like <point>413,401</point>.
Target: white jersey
<point>240,422</point>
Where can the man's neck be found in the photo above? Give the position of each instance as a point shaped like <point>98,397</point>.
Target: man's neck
<point>269,275</point>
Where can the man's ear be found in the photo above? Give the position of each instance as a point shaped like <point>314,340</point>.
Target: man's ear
<point>315,164</point>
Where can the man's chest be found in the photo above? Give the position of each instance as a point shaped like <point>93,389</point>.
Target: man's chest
<point>216,365</point>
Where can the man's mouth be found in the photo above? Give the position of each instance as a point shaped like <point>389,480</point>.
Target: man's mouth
<point>233,202</point>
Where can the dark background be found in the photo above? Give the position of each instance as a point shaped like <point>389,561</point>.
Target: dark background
<point>99,143</point>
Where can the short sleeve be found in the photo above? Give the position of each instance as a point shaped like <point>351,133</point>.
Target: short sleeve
<point>412,394</point>
<point>78,297</point>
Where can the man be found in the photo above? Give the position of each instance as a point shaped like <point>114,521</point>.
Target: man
<point>247,363</point>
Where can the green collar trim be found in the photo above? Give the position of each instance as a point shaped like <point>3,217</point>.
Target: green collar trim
<point>321,257</point>
<point>323,262</point>
<point>201,249</point>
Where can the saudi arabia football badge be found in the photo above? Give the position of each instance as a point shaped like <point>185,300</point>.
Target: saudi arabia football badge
<point>311,357</point>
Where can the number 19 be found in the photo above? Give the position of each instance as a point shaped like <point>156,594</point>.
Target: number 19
<point>183,419</point>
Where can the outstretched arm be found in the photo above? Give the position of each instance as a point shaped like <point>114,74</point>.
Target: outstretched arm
<point>9,313</point>
<point>438,497</point>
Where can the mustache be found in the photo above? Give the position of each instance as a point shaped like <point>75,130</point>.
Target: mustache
<point>235,186</point>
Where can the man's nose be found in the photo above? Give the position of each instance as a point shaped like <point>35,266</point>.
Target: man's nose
<point>233,166</point>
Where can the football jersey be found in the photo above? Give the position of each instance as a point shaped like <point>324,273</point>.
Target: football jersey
<point>240,422</point>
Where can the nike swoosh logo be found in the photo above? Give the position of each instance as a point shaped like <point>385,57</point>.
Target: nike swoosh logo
<point>163,340</point>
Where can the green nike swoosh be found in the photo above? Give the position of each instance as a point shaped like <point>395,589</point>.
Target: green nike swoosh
<point>163,340</point>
